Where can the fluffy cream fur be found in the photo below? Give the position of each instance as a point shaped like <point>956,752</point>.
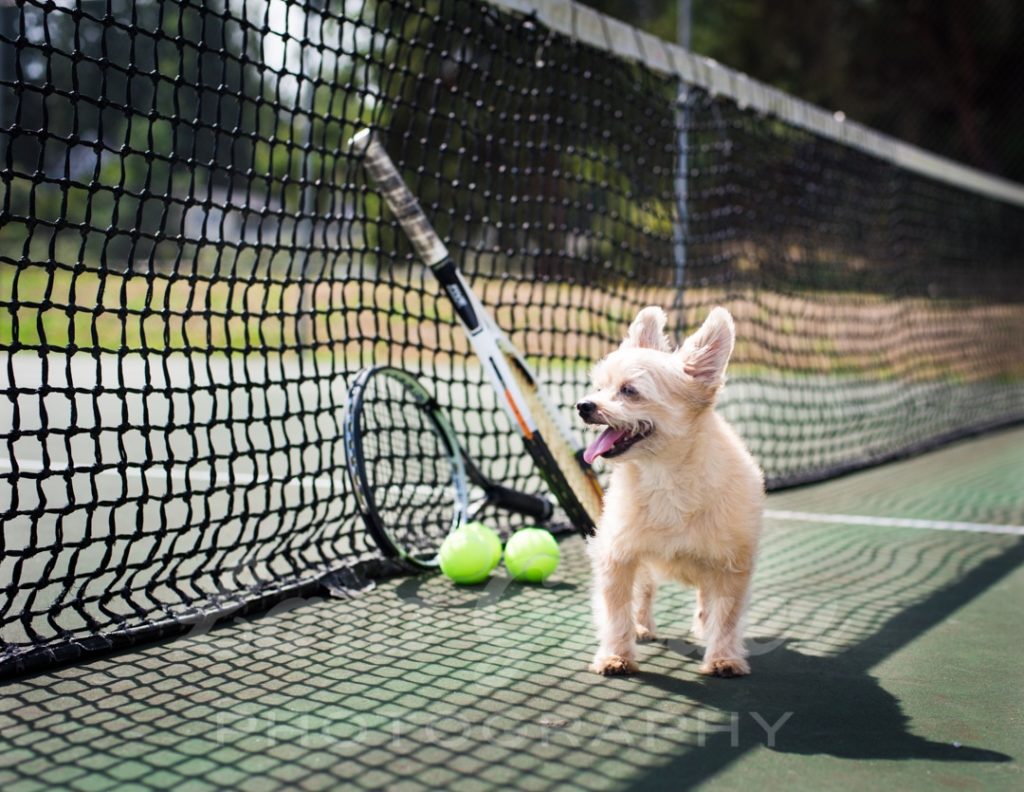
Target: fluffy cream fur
<point>685,501</point>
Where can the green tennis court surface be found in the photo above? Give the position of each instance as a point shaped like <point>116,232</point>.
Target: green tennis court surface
<point>885,642</point>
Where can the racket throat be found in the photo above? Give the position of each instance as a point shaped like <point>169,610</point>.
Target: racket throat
<point>455,287</point>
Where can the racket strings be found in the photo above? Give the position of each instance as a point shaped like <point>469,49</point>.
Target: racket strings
<point>408,467</point>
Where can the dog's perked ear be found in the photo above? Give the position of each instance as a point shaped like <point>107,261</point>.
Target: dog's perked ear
<point>648,330</point>
<point>706,353</point>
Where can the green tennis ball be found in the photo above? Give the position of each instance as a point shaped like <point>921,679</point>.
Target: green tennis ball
<point>466,557</point>
<point>490,536</point>
<point>531,555</point>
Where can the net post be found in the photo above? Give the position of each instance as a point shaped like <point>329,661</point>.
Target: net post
<point>680,227</point>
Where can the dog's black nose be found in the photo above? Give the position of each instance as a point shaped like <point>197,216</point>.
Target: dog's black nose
<point>586,408</point>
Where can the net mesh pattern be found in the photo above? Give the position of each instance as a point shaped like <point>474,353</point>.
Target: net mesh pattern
<point>193,269</point>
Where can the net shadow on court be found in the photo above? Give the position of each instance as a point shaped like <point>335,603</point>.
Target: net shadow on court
<point>420,684</point>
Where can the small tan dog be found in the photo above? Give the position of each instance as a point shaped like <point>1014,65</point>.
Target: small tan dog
<point>685,500</point>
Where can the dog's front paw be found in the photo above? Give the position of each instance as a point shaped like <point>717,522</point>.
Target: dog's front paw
<point>726,667</point>
<point>644,633</point>
<point>613,665</point>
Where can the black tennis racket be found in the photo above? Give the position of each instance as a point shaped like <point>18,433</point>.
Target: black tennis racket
<point>413,482</point>
<point>548,440</point>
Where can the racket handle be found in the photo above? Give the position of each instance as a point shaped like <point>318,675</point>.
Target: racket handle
<point>519,502</point>
<point>399,197</point>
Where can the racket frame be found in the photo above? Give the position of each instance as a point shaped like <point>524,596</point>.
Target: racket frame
<point>355,461</point>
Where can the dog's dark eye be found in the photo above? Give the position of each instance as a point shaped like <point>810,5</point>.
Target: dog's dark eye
<point>628,391</point>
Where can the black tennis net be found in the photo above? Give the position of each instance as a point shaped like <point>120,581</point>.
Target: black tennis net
<point>192,269</point>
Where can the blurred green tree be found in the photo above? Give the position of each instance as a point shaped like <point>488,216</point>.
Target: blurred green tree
<point>943,74</point>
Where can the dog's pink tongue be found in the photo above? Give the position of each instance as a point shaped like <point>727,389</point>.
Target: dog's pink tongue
<point>603,444</point>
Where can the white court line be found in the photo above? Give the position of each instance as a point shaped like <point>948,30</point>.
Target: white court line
<point>181,473</point>
<point>893,522</point>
